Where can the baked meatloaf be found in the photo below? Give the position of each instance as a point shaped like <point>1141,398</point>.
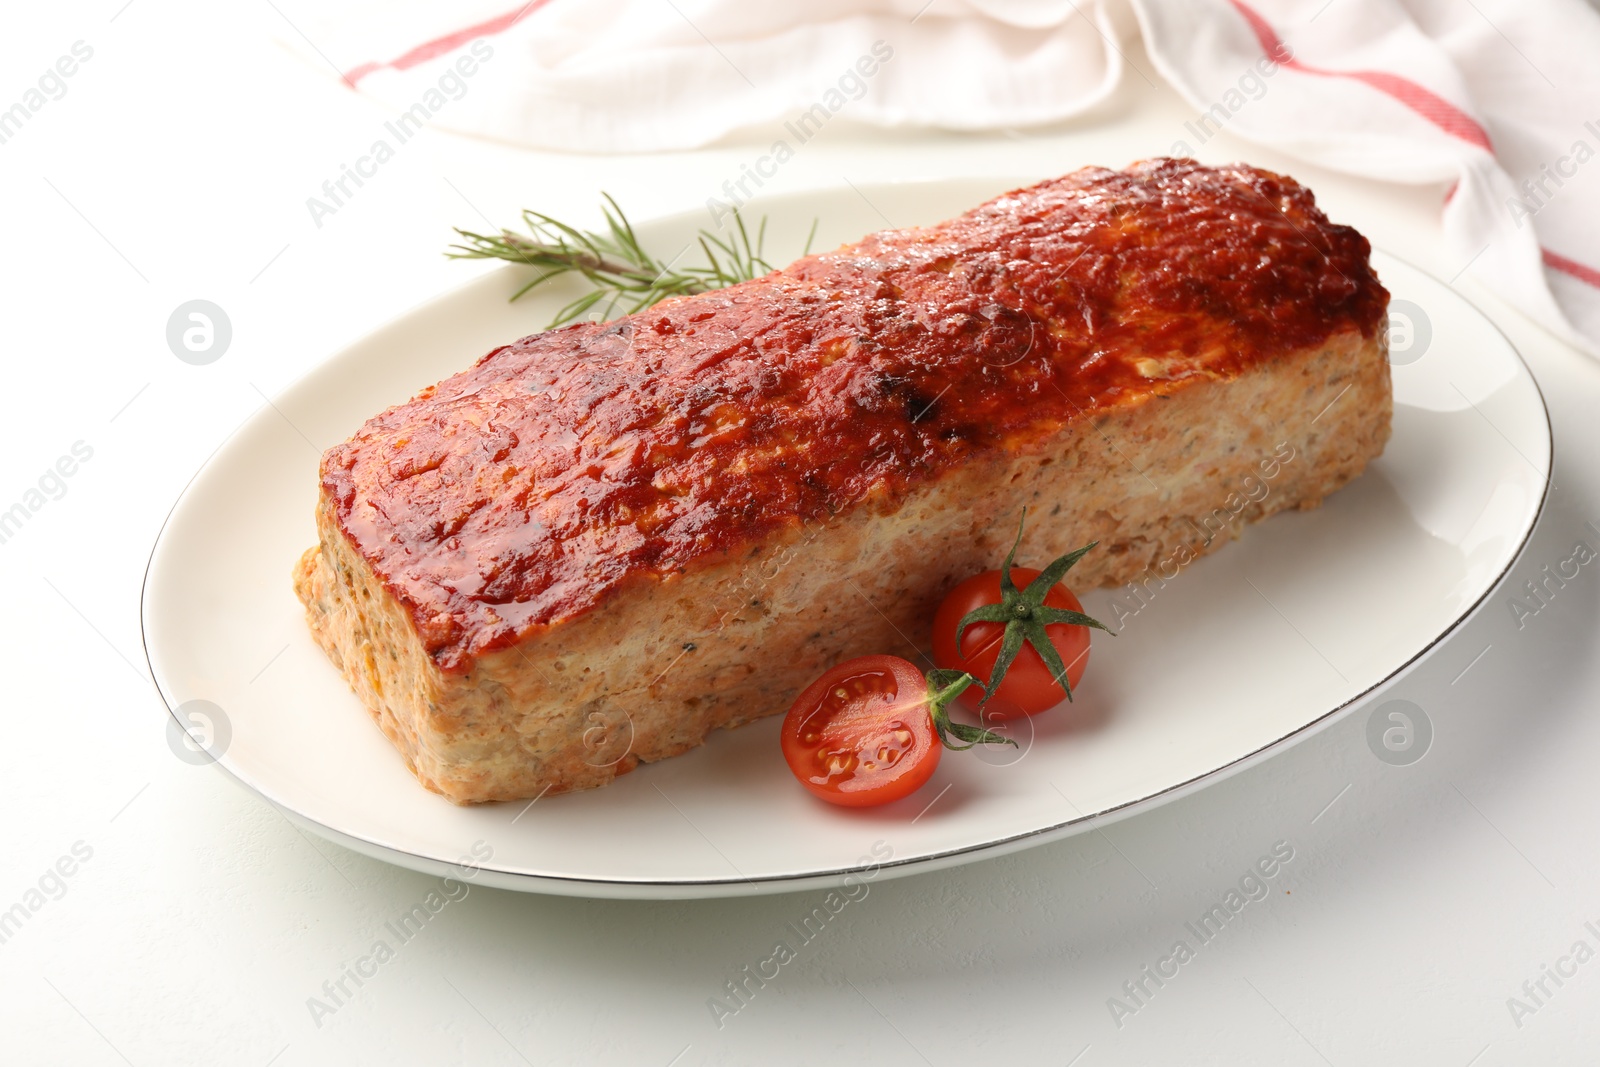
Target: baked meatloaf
<point>602,542</point>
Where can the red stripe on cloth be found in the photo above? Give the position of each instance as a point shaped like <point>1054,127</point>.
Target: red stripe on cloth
<point>1430,105</point>
<point>448,43</point>
<point>1580,271</point>
<point>357,73</point>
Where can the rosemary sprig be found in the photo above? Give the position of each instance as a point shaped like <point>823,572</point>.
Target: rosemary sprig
<point>623,275</point>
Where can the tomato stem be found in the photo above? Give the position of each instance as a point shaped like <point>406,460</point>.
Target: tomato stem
<point>943,687</point>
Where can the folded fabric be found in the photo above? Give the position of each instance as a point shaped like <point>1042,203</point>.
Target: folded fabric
<point>1502,108</point>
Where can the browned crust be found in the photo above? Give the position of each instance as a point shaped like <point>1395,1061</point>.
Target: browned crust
<point>568,467</point>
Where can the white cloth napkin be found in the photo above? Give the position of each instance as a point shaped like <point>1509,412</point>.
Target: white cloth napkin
<point>1500,99</point>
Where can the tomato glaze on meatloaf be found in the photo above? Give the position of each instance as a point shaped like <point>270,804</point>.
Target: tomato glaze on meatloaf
<point>526,490</point>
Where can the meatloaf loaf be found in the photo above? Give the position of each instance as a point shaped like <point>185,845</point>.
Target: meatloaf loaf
<point>602,542</point>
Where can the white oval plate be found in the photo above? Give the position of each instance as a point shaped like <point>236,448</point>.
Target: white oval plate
<point>1325,606</point>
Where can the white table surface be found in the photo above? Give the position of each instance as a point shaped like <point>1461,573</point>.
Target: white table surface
<point>176,167</point>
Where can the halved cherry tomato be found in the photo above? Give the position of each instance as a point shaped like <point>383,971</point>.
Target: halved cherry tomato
<point>871,730</point>
<point>1029,686</point>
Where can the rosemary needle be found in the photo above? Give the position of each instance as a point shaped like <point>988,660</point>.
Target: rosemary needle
<point>616,266</point>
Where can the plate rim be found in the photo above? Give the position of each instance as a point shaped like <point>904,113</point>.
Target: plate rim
<point>699,888</point>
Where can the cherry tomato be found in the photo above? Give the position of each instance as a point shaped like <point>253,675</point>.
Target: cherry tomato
<point>871,730</point>
<point>1029,686</point>
<point>862,733</point>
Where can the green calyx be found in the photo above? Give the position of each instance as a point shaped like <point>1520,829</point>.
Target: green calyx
<point>1025,615</point>
<point>943,687</point>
